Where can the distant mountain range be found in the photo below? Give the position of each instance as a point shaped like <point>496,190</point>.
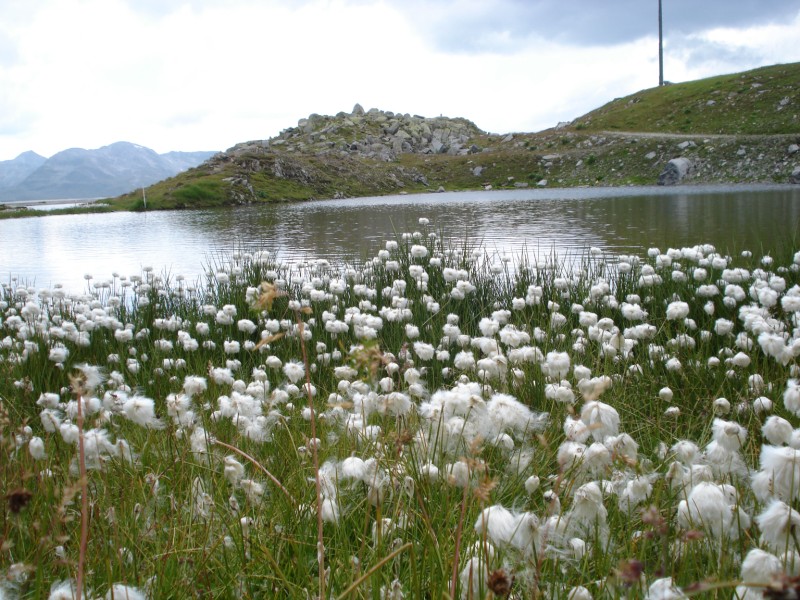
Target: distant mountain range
<point>79,174</point>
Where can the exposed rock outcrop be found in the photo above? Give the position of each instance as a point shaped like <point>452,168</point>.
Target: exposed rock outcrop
<point>675,171</point>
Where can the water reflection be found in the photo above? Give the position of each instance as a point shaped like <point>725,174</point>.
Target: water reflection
<point>64,248</point>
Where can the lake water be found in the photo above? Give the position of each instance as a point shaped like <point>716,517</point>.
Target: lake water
<point>63,249</point>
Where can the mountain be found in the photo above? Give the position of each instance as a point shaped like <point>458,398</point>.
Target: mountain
<point>737,128</point>
<point>78,173</point>
<point>13,172</point>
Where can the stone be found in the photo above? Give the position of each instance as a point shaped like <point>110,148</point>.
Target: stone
<point>508,138</point>
<point>358,110</point>
<point>477,171</point>
<point>675,171</point>
<point>795,176</point>
<point>650,155</point>
<point>440,189</point>
<point>792,149</point>
<point>542,183</point>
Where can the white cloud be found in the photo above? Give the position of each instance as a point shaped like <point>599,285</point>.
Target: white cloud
<point>207,75</point>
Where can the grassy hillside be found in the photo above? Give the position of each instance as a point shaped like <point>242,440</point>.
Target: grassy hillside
<point>762,101</point>
<point>375,153</point>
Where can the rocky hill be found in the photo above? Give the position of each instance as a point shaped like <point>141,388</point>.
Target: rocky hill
<point>740,128</point>
<point>78,173</point>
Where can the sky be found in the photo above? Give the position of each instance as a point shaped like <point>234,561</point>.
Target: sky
<point>207,74</point>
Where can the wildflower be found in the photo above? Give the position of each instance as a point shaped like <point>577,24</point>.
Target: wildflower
<point>711,507</point>
<point>556,365</point>
<point>602,419</point>
<point>194,384</point>
<point>778,523</point>
<point>253,490</point>
<point>762,404</point>
<point>721,406</point>
<point>664,589</point>
<point>418,251</point>
<point>518,531</point>
<point>531,484</point>
<point>36,448</point>
<point>424,351</point>
<point>234,470</point>
<point>636,491</point>
<point>141,410</point>
<point>677,311</point>
<point>246,326</point>
<point>779,475</point>
<point>791,396</point>
<point>92,377</point>
<point>579,592</point>
<point>58,353</point>
<point>119,591</point>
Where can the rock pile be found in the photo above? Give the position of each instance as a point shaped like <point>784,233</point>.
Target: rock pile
<point>378,134</point>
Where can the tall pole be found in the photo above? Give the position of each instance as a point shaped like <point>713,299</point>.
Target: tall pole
<point>660,47</point>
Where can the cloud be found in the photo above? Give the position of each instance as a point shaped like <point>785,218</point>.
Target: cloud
<point>477,25</point>
<point>207,74</point>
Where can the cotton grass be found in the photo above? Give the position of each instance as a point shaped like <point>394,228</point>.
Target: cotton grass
<point>627,426</point>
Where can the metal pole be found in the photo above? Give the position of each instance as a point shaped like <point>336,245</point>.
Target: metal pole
<point>660,47</point>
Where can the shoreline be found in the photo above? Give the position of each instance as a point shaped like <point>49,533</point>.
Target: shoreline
<point>29,209</point>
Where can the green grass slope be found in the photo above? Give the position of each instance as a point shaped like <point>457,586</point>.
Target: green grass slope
<point>761,101</point>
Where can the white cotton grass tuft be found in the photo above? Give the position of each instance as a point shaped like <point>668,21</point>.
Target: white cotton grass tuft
<point>119,591</point>
<point>579,593</point>
<point>779,475</point>
<point>194,385</point>
<point>601,419</point>
<point>141,410</point>
<point>791,396</point>
<point>507,414</point>
<point>294,371</point>
<point>760,567</point>
<point>509,530</point>
<point>36,448</point>
<point>64,590</point>
<point>778,522</point>
<point>714,509</point>
<point>777,430</point>
<point>664,589</point>
<point>728,434</point>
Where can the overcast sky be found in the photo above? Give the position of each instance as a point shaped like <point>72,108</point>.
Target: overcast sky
<point>207,74</point>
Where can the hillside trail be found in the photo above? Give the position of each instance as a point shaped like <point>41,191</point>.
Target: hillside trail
<point>708,136</point>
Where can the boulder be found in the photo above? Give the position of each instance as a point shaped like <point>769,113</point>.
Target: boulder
<point>675,171</point>
<point>795,176</point>
<point>792,149</point>
<point>358,110</point>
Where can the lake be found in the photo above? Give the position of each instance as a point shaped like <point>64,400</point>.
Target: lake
<point>63,249</point>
